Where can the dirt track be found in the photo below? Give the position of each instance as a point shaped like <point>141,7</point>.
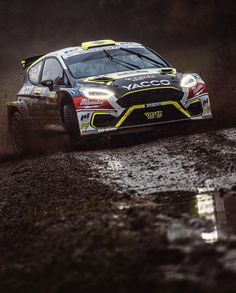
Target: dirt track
<point>138,214</point>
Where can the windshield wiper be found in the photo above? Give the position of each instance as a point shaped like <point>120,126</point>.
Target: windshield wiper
<point>120,61</point>
<point>141,56</point>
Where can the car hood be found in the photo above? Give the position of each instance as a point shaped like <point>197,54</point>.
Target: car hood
<point>135,80</point>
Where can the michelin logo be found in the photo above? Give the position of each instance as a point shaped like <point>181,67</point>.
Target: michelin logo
<point>146,84</point>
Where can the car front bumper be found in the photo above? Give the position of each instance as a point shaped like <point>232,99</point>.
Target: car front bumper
<point>141,117</point>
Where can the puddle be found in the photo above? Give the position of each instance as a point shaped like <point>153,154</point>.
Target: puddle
<point>208,216</point>
<point>179,176</point>
<point>221,210</point>
<point>206,208</point>
<point>218,210</point>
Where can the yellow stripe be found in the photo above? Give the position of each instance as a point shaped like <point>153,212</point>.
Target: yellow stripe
<point>130,110</point>
<point>106,82</point>
<point>195,101</point>
<point>36,61</point>
<point>136,107</point>
<point>97,113</point>
<point>177,106</point>
<point>93,81</point>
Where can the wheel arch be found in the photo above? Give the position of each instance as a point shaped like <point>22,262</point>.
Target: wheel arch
<point>64,98</point>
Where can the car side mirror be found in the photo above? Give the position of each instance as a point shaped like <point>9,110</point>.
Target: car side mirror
<point>48,83</point>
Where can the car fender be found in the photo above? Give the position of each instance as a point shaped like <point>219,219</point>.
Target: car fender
<point>64,97</point>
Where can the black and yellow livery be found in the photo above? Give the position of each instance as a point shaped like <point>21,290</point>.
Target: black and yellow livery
<point>103,87</point>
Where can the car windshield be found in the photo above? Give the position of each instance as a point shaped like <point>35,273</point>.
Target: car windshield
<point>112,60</point>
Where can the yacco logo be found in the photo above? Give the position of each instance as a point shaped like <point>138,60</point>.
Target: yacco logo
<point>145,84</point>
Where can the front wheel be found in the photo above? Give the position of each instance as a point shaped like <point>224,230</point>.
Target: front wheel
<point>71,123</point>
<point>18,133</point>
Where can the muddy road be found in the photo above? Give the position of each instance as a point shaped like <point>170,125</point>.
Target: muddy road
<point>144,213</point>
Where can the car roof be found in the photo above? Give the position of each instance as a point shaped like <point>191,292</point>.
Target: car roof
<point>92,46</point>
<point>86,47</point>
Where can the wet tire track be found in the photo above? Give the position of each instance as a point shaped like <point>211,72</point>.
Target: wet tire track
<point>183,163</point>
<point>130,217</point>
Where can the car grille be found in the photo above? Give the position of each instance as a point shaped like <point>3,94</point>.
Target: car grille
<point>103,120</point>
<point>150,96</point>
<point>139,116</point>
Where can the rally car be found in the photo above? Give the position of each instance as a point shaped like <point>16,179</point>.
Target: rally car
<point>103,87</point>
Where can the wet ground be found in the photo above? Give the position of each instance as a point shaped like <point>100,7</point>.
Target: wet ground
<point>144,213</point>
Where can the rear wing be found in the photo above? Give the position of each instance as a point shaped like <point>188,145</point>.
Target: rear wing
<point>25,63</point>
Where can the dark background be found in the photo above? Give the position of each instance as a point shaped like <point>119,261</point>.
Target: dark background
<point>194,36</point>
<point>34,27</point>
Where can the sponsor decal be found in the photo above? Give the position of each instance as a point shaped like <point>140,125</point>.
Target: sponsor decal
<point>151,105</point>
<point>85,117</point>
<point>72,52</point>
<point>207,111</point>
<point>205,102</point>
<point>91,102</point>
<point>153,115</point>
<point>206,106</point>
<point>39,90</point>
<point>84,103</point>
<point>200,89</point>
<point>52,95</point>
<point>84,125</point>
<point>146,84</point>
<point>138,78</point>
<point>132,73</point>
<point>74,92</point>
<point>26,90</point>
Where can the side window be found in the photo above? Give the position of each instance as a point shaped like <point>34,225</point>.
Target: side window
<point>53,70</point>
<point>34,72</point>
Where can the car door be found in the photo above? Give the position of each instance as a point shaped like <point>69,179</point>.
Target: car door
<point>28,94</point>
<point>52,73</point>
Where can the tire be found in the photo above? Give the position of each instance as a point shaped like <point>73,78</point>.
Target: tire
<point>71,123</point>
<point>18,133</point>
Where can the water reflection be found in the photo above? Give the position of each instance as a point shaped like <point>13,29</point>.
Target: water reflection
<point>221,211</point>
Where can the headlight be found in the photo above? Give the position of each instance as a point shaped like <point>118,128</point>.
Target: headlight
<point>96,93</point>
<point>188,81</point>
